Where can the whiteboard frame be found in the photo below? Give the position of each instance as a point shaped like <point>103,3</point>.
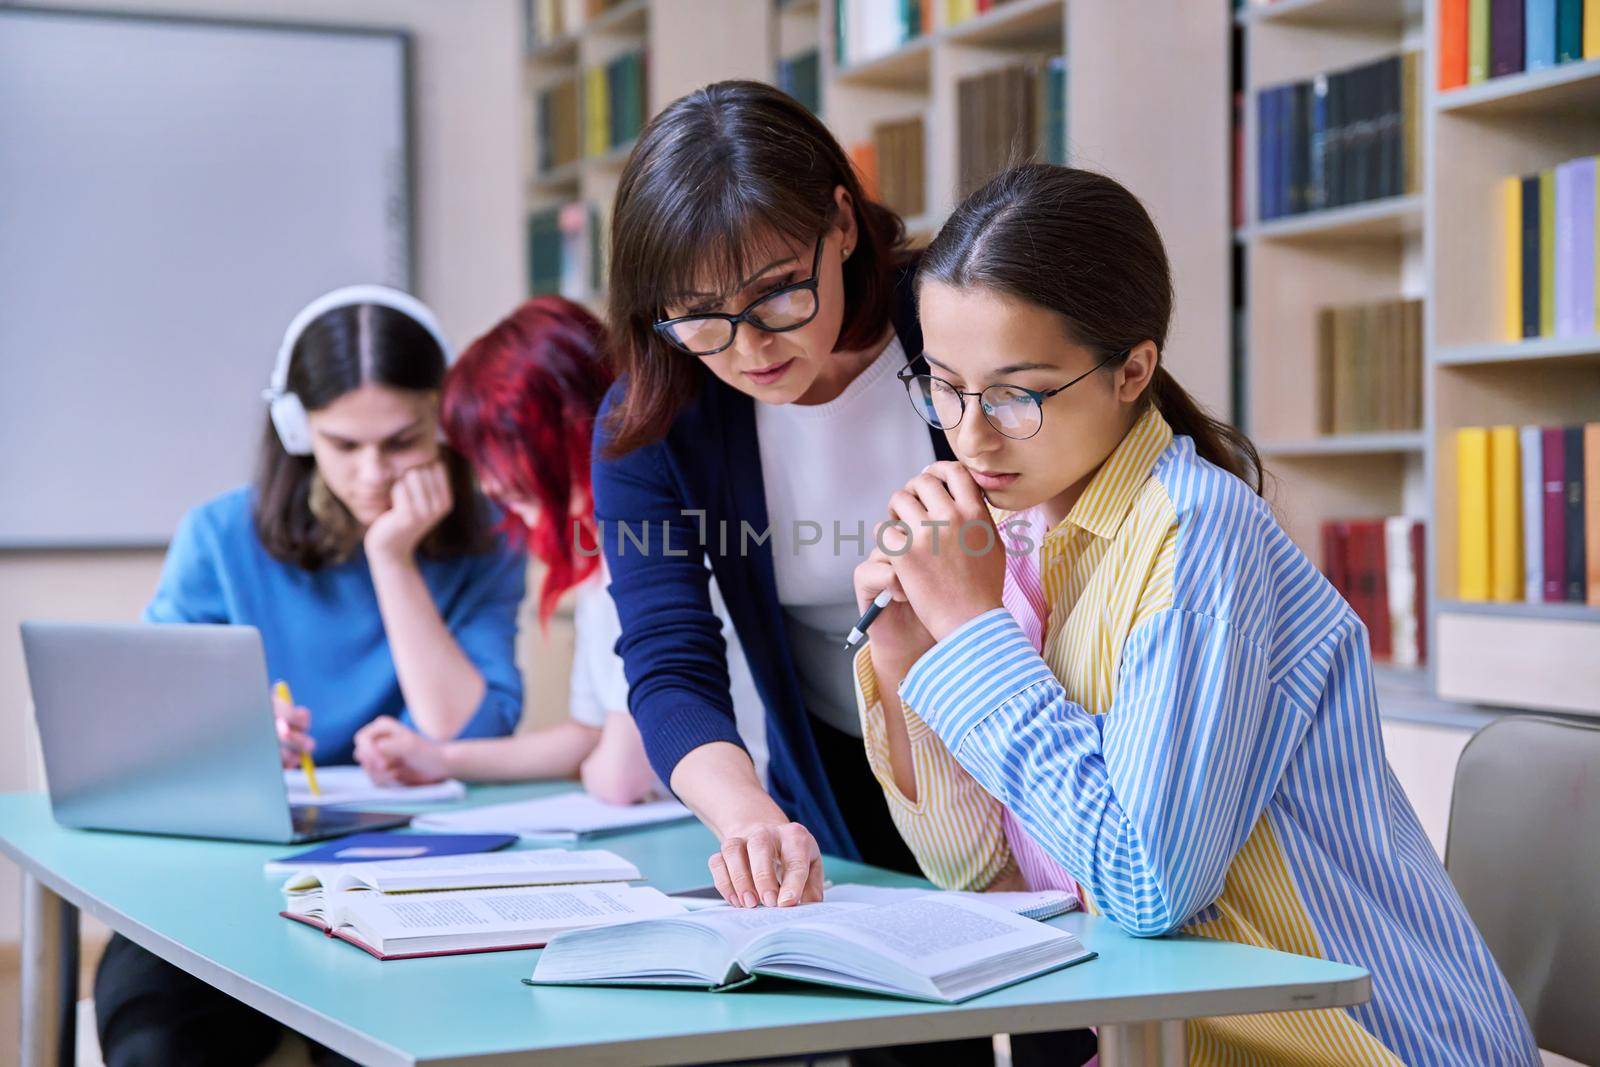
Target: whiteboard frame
<point>408,118</point>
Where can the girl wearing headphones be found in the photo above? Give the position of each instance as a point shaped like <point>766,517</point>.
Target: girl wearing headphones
<point>520,405</point>
<point>367,562</point>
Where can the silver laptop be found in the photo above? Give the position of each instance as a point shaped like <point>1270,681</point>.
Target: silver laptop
<point>167,729</point>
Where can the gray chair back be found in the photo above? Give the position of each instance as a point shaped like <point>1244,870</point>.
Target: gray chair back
<point>1524,853</point>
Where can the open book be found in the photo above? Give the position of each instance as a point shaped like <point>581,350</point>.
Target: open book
<point>542,866</point>
<point>563,816</point>
<point>931,946</point>
<point>407,925</point>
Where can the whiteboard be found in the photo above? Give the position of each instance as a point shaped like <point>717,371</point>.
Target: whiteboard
<point>172,191</point>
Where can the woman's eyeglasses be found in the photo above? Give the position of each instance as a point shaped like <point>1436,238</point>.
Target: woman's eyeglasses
<point>1015,411</point>
<point>779,311</point>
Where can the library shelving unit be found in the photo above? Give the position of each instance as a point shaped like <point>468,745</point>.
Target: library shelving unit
<point>1534,655</point>
<point>1443,245</point>
<point>921,78</point>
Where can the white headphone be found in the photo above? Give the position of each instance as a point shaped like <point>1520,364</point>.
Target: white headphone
<point>288,413</point>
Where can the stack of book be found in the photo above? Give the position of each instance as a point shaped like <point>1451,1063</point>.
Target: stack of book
<point>1549,222</point>
<point>1341,138</point>
<point>800,76</point>
<point>902,175</point>
<point>565,251</point>
<point>1011,115</point>
<point>1482,39</point>
<point>1528,521</point>
<point>864,30</point>
<point>1369,367</point>
<point>489,902</point>
<point>1379,566</point>
<point>559,125</point>
<point>614,107</point>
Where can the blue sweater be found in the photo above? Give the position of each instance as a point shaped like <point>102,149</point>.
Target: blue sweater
<point>672,649</point>
<point>321,629</point>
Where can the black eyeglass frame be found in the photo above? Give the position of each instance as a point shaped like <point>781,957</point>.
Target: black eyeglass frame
<point>664,326</point>
<point>908,375</point>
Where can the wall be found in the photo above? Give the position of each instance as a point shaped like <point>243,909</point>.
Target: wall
<point>468,125</point>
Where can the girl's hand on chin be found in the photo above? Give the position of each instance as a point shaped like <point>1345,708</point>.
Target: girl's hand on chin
<point>952,565</point>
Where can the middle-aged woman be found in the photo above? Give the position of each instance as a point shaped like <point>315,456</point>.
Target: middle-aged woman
<point>760,307</point>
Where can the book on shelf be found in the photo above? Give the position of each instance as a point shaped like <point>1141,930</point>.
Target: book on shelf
<point>1369,367</point>
<point>560,125</point>
<point>614,107</point>
<point>1341,138</point>
<point>865,30</point>
<point>902,175</point>
<point>548,20</point>
<point>937,947</point>
<point>800,76</point>
<point>565,249</point>
<point>1549,223</point>
<point>1010,115</point>
<point>1528,521</point>
<point>1378,565</point>
<point>1483,39</point>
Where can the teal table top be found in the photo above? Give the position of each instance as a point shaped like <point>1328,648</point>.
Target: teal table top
<point>206,906</point>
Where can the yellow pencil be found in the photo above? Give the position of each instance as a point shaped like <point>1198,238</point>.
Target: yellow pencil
<point>281,690</point>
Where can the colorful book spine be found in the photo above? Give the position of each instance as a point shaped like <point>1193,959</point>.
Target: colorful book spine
<point>1477,40</point>
<point>1569,30</point>
<point>1419,570</point>
<point>1591,29</point>
<point>1530,255</point>
<point>1472,519</point>
<point>1547,253</point>
<point>1532,514</point>
<point>1539,50</point>
<point>1591,507</point>
<point>1511,252</point>
<point>1401,584</point>
<point>1577,567</point>
<point>1506,37</point>
<point>1505,516</point>
<point>1585,187</point>
<point>1554,448</point>
<point>1452,44</point>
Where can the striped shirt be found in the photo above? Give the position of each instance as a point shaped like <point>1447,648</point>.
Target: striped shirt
<point>1193,738</point>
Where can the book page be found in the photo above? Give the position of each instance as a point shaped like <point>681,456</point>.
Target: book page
<point>545,866</point>
<point>349,784</point>
<point>572,813</point>
<point>739,926</point>
<point>929,935</point>
<point>492,911</point>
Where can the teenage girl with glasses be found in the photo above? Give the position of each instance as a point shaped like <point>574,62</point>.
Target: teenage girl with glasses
<point>1148,693</point>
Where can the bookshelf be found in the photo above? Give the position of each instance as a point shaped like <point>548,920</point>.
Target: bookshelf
<point>1444,245</point>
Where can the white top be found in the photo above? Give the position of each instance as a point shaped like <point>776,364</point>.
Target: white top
<point>829,470</point>
<point>599,685</point>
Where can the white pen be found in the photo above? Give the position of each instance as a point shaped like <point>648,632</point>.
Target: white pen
<point>858,632</point>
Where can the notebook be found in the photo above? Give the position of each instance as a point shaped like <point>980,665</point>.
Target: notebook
<point>349,784</point>
<point>398,926</point>
<point>371,848</point>
<point>937,947</point>
<point>566,816</point>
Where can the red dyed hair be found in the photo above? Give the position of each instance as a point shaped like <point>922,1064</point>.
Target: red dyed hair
<point>520,404</point>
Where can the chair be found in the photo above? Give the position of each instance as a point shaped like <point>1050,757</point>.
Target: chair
<point>1524,853</point>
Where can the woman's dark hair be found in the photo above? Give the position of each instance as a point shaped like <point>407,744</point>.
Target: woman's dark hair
<point>1079,244</point>
<point>340,351</point>
<point>726,164</point>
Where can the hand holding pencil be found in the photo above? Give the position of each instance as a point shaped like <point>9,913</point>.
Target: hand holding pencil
<point>294,738</point>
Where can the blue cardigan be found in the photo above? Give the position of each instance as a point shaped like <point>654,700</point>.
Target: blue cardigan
<point>321,629</point>
<point>706,476</point>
